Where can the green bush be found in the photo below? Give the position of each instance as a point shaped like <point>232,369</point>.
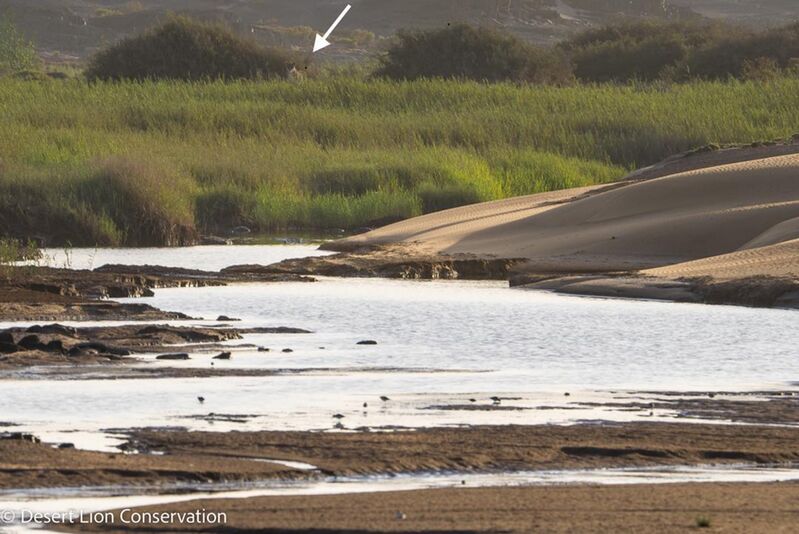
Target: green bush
<point>681,51</point>
<point>465,52</point>
<point>749,55</point>
<point>12,251</point>
<point>151,204</point>
<point>17,54</point>
<point>642,50</point>
<point>184,49</point>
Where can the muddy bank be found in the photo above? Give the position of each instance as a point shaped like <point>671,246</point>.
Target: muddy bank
<point>29,464</point>
<point>489,448</point>
<point>47,294</point>
<point>20,304</point>
<point>777,408</point>
<point>385,262</point>
<point>55,344</point>
<point>83,370</point>
<point>760,292</point>
<point>170,455</point>
<point>738,508</point>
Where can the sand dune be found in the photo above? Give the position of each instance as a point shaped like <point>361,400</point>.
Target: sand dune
<point>744,215</point>
<point>780,260</point>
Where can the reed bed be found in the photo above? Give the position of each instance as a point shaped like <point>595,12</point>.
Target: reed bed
<point>138,163</point>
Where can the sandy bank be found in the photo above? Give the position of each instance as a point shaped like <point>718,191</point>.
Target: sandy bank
<point>718,227</point>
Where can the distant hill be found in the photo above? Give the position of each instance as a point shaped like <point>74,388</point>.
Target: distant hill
<point>71,30</point>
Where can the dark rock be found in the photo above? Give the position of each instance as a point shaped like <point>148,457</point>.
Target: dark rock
<point>8,348</point>
<point>222,356</point>
<point>367,342</point>
<point>192,335</point>
<point>287,350</point>
<point>20,436</point>
<point>56,329</point>
<point>31,342</point>
<point>226,318</point>
<point>176,356</point>
<point>273,330</point>
<point>94,346</point>
<point>124,292</point>
<point>7,337</point>
<point>152,329</point>
<point>55,345</point>
<point>66,446</point>
<point>263,349</point>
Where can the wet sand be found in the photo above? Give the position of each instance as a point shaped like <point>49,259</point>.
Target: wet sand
<point>729,507</point>
<point>737,508</point>
<point>175,455</point>
<point>495,448</point>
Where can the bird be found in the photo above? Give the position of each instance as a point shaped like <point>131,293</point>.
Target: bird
<point>384,398</point>
<point>338,416</point>
<point>365,405</point>
<point>567,394</point>
<point>496,400</point>
<point>472,400</point>
<point>201,399</point>
<point>400,516</point>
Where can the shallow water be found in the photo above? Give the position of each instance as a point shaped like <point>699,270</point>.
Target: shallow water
<point>439,343</point>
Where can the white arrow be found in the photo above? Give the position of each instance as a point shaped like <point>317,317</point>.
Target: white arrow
<point>321,40</point>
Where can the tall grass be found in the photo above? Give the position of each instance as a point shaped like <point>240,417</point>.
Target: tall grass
<point>150,162</point>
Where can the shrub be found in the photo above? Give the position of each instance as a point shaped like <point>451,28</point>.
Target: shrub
<point>185,49</point>
<point>17,54</point>
<point>465,52</point>
<point>152,204</point>
<point>643,50</point>
<point>745,54</point>
<point>703,522</point>
<point>649,50</point>
<point>12,251</point>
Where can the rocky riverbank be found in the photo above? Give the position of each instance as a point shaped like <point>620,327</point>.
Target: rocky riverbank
<point>47,294</point>
<point>55,344</point>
